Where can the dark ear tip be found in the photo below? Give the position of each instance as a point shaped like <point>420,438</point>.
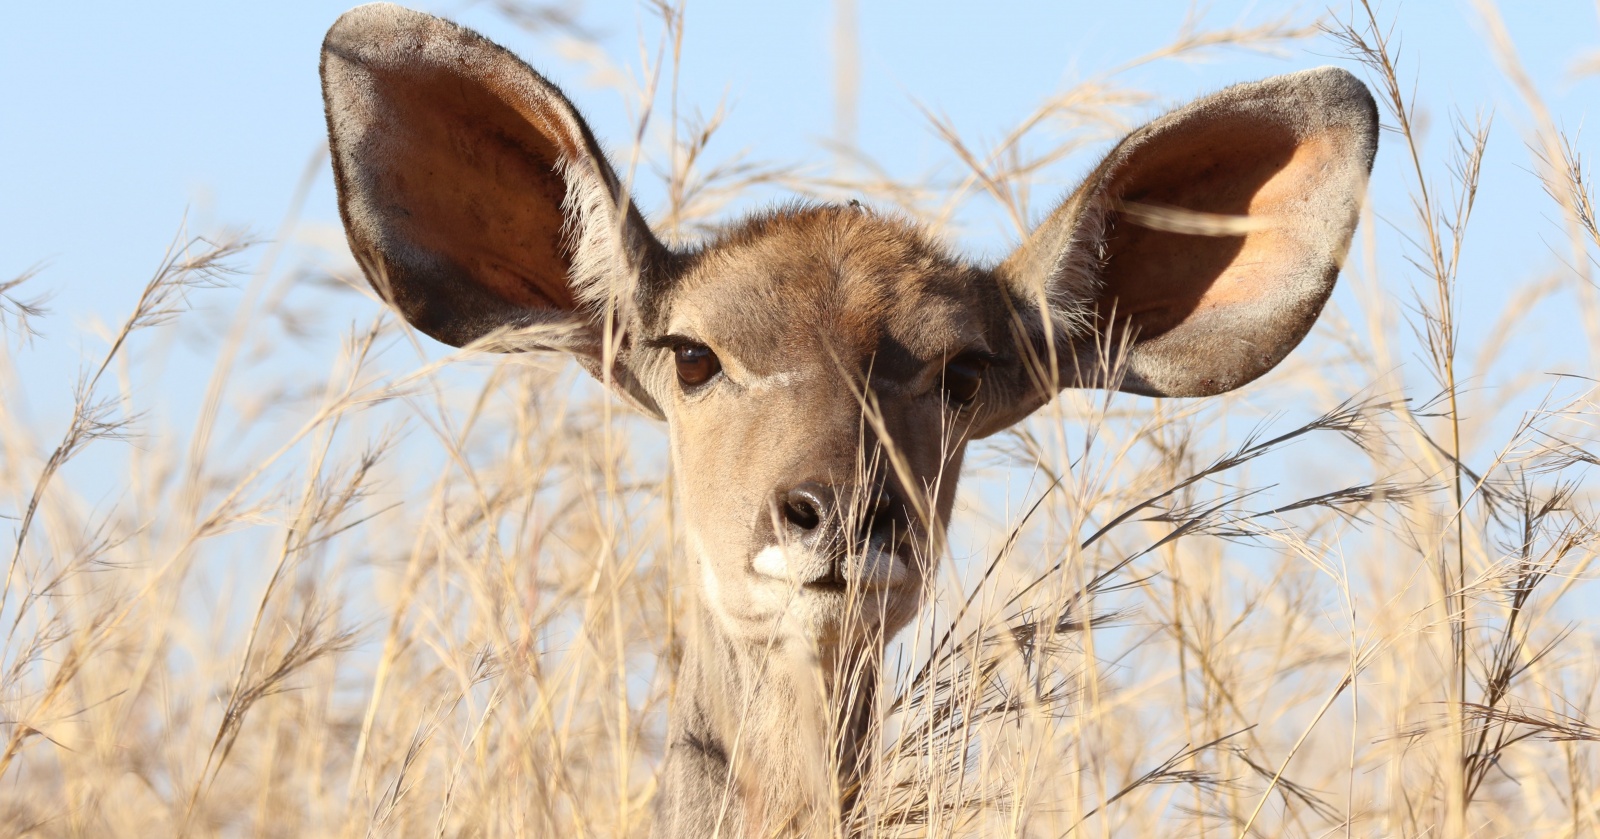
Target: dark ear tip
<point>366,25</point>
<point>1339,97</point>
<point>1337,81</point>
<point>370,15</point>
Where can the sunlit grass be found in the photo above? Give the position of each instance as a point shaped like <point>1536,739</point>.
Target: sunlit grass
<point>440,597</point>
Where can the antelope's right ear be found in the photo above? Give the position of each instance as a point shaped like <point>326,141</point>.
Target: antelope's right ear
<point>473,195</point>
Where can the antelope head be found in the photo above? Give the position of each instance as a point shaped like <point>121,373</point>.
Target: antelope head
<point>822,368</point>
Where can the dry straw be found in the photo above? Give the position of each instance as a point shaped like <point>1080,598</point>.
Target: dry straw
<point>440,598</point>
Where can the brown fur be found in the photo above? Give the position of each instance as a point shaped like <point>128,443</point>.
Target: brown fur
<point>477,201</point>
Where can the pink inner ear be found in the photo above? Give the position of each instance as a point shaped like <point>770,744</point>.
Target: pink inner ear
<point>470,178</point>
<point>1157,279</point>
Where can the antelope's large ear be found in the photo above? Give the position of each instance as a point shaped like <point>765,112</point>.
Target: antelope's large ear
<point>1201,251</point>
<point>473,194</point>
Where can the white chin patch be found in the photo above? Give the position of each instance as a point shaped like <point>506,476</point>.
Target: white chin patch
<point>777,599</point>
<point>795,566</point>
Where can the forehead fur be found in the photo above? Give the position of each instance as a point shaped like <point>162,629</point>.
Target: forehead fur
<point>869,285</point>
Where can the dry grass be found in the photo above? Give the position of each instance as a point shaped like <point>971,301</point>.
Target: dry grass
<point>424,598</point>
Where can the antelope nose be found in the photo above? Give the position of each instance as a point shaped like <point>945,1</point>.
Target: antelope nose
<point>833,523</point>
<point>816,512</point>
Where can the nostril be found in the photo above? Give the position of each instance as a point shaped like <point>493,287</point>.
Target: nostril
<point>802,514</point>
<point>803,507</point>
<point>874,507</point>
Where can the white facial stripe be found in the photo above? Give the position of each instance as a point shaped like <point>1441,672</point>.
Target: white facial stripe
<point>773,381</point>
<point>746,379</point>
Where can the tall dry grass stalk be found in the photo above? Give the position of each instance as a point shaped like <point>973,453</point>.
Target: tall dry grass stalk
<point>440,598</point>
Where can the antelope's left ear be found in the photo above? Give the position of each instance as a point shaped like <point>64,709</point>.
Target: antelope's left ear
<point>1203,247</point>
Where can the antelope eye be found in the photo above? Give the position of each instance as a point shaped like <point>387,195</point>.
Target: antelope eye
<point>696,364</point>
<point>963,376</point>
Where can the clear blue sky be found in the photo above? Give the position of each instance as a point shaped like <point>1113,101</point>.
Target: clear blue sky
<point>117,118</point>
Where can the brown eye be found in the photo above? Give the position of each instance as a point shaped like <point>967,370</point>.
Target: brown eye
<point>962,378</point>
<point>696,364</point>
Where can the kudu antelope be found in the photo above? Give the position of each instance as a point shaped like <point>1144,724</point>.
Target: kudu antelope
<point>822,368</point>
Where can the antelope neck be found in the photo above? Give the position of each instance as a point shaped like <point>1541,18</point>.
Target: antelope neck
<point>764,736</point>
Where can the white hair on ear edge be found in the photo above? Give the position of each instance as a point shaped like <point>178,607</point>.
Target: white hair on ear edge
<point>1073,283</point>
<point>596,211</point>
